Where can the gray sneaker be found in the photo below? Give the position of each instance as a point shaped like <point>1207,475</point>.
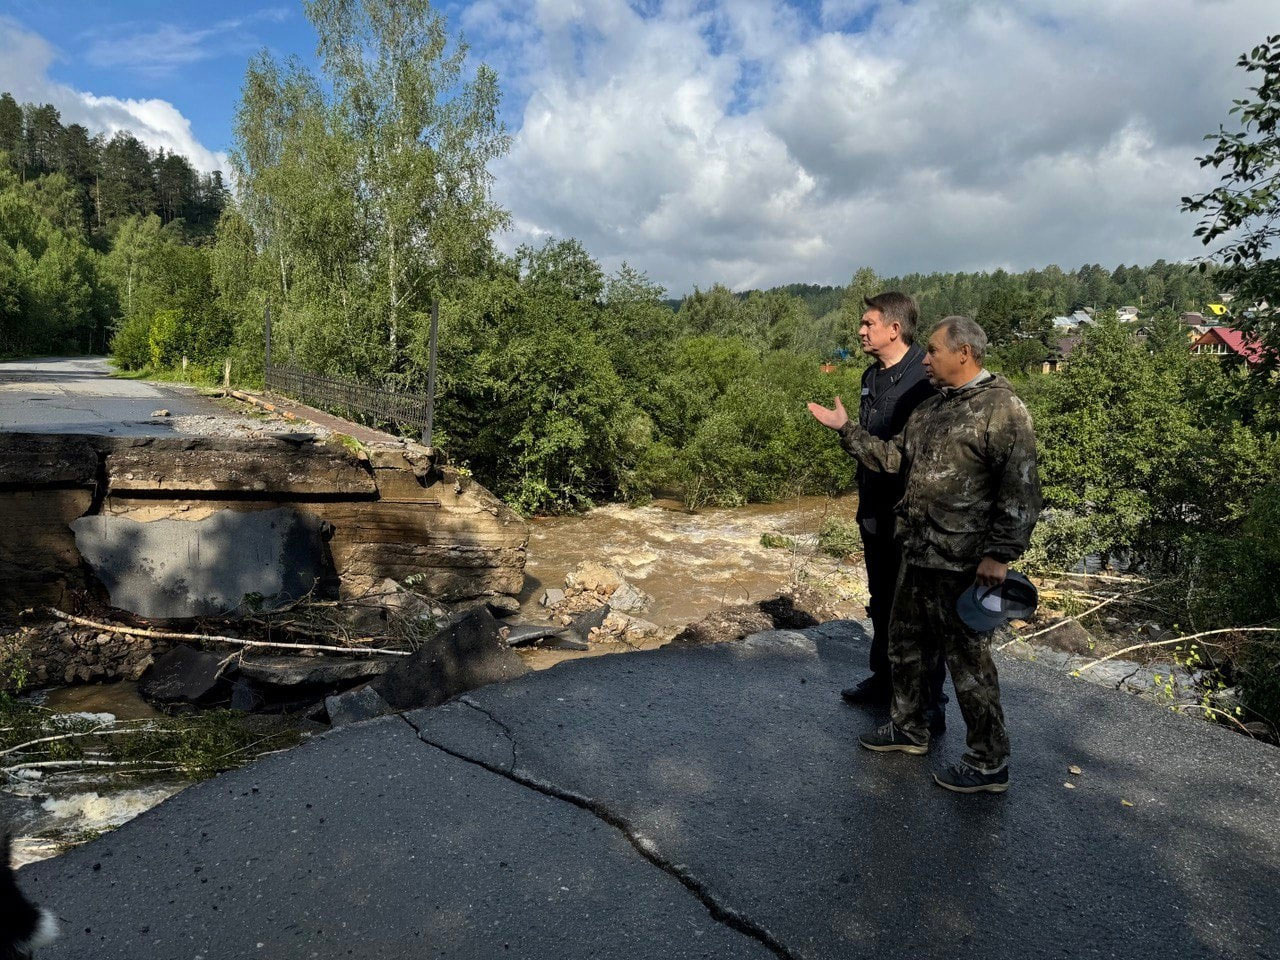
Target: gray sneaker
<point>889,739</point>
<point>962,778</point>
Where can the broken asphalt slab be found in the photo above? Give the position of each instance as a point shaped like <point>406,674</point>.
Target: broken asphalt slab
<point>705,801</point>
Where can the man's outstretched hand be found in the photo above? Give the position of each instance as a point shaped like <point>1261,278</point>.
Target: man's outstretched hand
<point>835,419</point>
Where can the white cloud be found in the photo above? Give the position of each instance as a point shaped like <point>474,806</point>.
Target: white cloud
<point>741,141</point>
<point>25,59</point>
<point>158,49</point>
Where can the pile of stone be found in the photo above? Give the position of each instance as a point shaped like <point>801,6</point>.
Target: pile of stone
<point>599,605</point>
<point>793,609</point>
<point>60,653</point>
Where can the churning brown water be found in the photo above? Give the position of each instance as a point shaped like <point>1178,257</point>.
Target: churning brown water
<point>690,563</point>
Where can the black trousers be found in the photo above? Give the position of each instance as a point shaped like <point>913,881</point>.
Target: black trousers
<point>881,554</point>
<point>883,558</point>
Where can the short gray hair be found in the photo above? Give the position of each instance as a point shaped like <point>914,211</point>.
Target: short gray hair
<point>962,332</point>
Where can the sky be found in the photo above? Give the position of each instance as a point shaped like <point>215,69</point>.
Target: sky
<point>750,142</point>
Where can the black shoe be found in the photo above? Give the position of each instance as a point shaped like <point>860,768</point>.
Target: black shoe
<point>889,739</point>
<point>962,778</point>
<point>874,691</point>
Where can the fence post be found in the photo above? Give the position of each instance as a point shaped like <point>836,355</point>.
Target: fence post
<point>431,375</point>
<point>226,375</point>
<point>266,368</point>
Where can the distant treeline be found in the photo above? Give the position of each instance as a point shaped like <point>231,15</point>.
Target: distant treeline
<point>95,231</point>
<point>1013,308</point>
<point>108,178</point>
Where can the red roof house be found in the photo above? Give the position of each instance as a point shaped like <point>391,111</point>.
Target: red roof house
<point>1225,342</point>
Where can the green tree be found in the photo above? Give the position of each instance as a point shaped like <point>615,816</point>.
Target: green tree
<point>126,185</point>
<point>1243,211</point>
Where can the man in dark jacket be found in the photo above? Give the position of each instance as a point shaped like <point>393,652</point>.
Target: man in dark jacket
<point>971,501</point>
<point>891,389</point>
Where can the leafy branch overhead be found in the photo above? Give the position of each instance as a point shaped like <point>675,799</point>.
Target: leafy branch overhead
<point>1243,211</point>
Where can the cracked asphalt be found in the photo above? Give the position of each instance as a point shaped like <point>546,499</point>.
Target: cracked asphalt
<point>700,802</point>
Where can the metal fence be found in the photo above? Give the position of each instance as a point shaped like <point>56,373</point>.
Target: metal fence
<point>376,406</point>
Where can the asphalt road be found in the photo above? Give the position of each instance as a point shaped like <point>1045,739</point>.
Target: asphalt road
<point>700,802</point>
<point>79,395</point>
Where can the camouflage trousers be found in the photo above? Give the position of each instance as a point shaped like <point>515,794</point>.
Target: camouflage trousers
<point>924,627</point>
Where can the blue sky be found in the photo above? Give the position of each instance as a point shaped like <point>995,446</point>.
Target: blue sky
<point>194,57</point>
<point>751,142</point>
<point>172,51</point>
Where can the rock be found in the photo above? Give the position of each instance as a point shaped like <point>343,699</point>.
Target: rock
<point>363,703</point>
<point>629,598</point>
<point>160,413</point>
<point>185,675</point>
<point>594,578</point>
<point>466,655</point>
<point>1262,731</point>
<point>592,620</point>
<point>502,605</point>
<point>552,597</point>
<point>1068,636</point>
<point>523,634</point>
<point>644,628</point>
<point>786,611</point>
<point>312,671</point>
<point>246,697</point>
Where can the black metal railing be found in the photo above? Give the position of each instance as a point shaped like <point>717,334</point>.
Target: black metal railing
<point>377,406</point>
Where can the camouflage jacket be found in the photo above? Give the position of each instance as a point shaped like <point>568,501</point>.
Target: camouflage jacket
<point>972,488</point>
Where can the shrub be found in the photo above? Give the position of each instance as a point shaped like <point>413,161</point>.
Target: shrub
<point>839,538</point>
<point>1234,584</point>
<point>131,346</point>
<point>166,338</point>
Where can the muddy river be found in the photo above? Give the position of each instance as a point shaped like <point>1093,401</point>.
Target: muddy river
<point>690,563</point>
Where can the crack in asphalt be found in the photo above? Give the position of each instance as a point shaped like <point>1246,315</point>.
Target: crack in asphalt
<point>719,911</point>
<point>467,701</point>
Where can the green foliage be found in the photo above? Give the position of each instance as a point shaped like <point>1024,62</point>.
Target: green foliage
<point>165,338</point>
<point>131,345</point>
<point>1232,581</point>
<point>51,294</point>
<point>776,541</point>
<point>1243,211</point>
<point>839,538</point>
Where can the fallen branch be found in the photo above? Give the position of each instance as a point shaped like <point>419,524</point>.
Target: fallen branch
<point>1207,709</point>
<point>1079,616</point>
<point>71,764</point>
<point>216,638</point>
<point>1130,578</point>
<point>95,732</point>
<point>1165,643</point>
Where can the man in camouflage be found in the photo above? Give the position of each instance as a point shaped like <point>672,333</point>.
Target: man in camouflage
<point>972,498</point>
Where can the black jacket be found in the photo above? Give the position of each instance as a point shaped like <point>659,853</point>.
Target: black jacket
<point>899,390</point>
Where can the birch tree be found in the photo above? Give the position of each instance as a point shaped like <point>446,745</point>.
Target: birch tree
<point>370,185</point>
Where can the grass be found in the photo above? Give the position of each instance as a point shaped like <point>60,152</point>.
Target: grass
<point>349,443</point>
